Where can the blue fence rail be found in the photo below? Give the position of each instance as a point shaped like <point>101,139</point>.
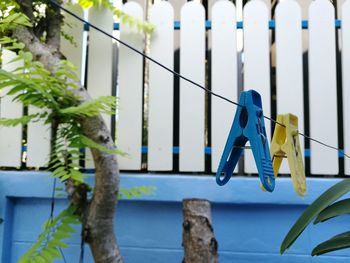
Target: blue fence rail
<point>239,24</point>
<point>249,224</point>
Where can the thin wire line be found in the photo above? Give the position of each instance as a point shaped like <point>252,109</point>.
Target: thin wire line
<point>183,77</point>
<point>63,257</point>
<point>145,56</point>
<point>53,198</point>
<point>82,245</point>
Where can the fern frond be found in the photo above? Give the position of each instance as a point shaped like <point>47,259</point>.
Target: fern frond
<point>18,121</point>
<point>14,20</point>
<point>136,192</point>
<point>87,142</point>
<point>103,104</point>
<point>47,245</point>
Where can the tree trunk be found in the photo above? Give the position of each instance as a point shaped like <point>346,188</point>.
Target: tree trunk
<point>97,215</point>
<point>200,245</point>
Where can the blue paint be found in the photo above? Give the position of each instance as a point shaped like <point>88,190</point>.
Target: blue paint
<point>208,151</point>
<point>149,228</point>
<point>144,149</point>
<point>239,25</point>
<point>307,153</point>
<point>208,24</point>
<point>304,24</point>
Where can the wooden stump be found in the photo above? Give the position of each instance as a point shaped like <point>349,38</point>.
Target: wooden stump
<point>200,245</point>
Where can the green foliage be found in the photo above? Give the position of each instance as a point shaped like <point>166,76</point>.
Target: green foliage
<point>14,20</point>
<point>323,208</point>
<point>136,192</point>
<point>33,85</point>
<point>103,104</point>
<point>91,144</point>
<point>51,240</point>
<point>18,121</point>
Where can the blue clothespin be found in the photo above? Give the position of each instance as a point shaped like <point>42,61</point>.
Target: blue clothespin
<point>248,124</point>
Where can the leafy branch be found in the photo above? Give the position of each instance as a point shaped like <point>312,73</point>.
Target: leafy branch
<point>50,241</point>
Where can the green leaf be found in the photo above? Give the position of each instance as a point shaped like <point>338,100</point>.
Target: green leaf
<point>335,243</point>
<point>86,3</point>
<point>103,104</point>
<point>338,208</point>
<point>17,121</point>
<point>87,142</point>
<point>313,210</point>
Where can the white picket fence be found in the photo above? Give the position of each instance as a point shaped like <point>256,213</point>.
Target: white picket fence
<point>193,108</point>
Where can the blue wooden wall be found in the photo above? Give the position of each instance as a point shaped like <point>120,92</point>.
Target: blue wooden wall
<point>248,223</point>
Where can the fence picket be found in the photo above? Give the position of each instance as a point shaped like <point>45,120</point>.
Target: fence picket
<point>129,124</point>
<point>161,89</point>
<point>38,142</point>
<point>322,87</point>
<point>10,137</point>
<point>99,77</point>
<point>73,27</point>
<point>192,65</point>
<point>257,63</point>
<point>224,76</point>
<point>289,64</point>
<point>346,79</point>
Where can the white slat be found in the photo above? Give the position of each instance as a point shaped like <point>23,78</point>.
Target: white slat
<point>74,28</point>
<point>322,87</point>
<point>346,79</point>
<point>289,65</point>
<point>192,65</point>
<point>129,125</point>
<point>257,63</point>
<point>10,137</point>
<point>38,142</point>
<point>99,81</point>
<point>161,90</point>
<point>224,75</point>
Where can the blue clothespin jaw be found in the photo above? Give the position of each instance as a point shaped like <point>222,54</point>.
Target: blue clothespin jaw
<point>248,124</point>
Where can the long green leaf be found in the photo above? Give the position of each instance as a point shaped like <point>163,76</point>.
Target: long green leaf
<point>16,121</point>
<point>313,210</point>
<point>338,208</point>
<point>335,243</point>
<point>91,144</point>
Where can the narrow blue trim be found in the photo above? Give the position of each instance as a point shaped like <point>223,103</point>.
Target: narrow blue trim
<point>208,24</point>
<point>176,150</point>
<point>307,153</point>
<point>338,23</point>
<point>239,25</point>
<point>208,151</point>
<point>176,25</point>
<point>304,24</point>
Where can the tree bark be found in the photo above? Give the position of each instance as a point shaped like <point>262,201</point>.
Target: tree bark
<point>98,214</point>
<point>200,245</point>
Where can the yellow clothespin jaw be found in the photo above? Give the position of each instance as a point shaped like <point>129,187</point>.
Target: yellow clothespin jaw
<point>285,141</point>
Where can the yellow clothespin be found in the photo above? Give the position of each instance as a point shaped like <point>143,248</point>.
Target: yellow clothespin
<point>285,141</point>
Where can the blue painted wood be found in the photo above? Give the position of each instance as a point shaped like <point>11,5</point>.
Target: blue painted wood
<point>249,224</point>
<point>239,25</point>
